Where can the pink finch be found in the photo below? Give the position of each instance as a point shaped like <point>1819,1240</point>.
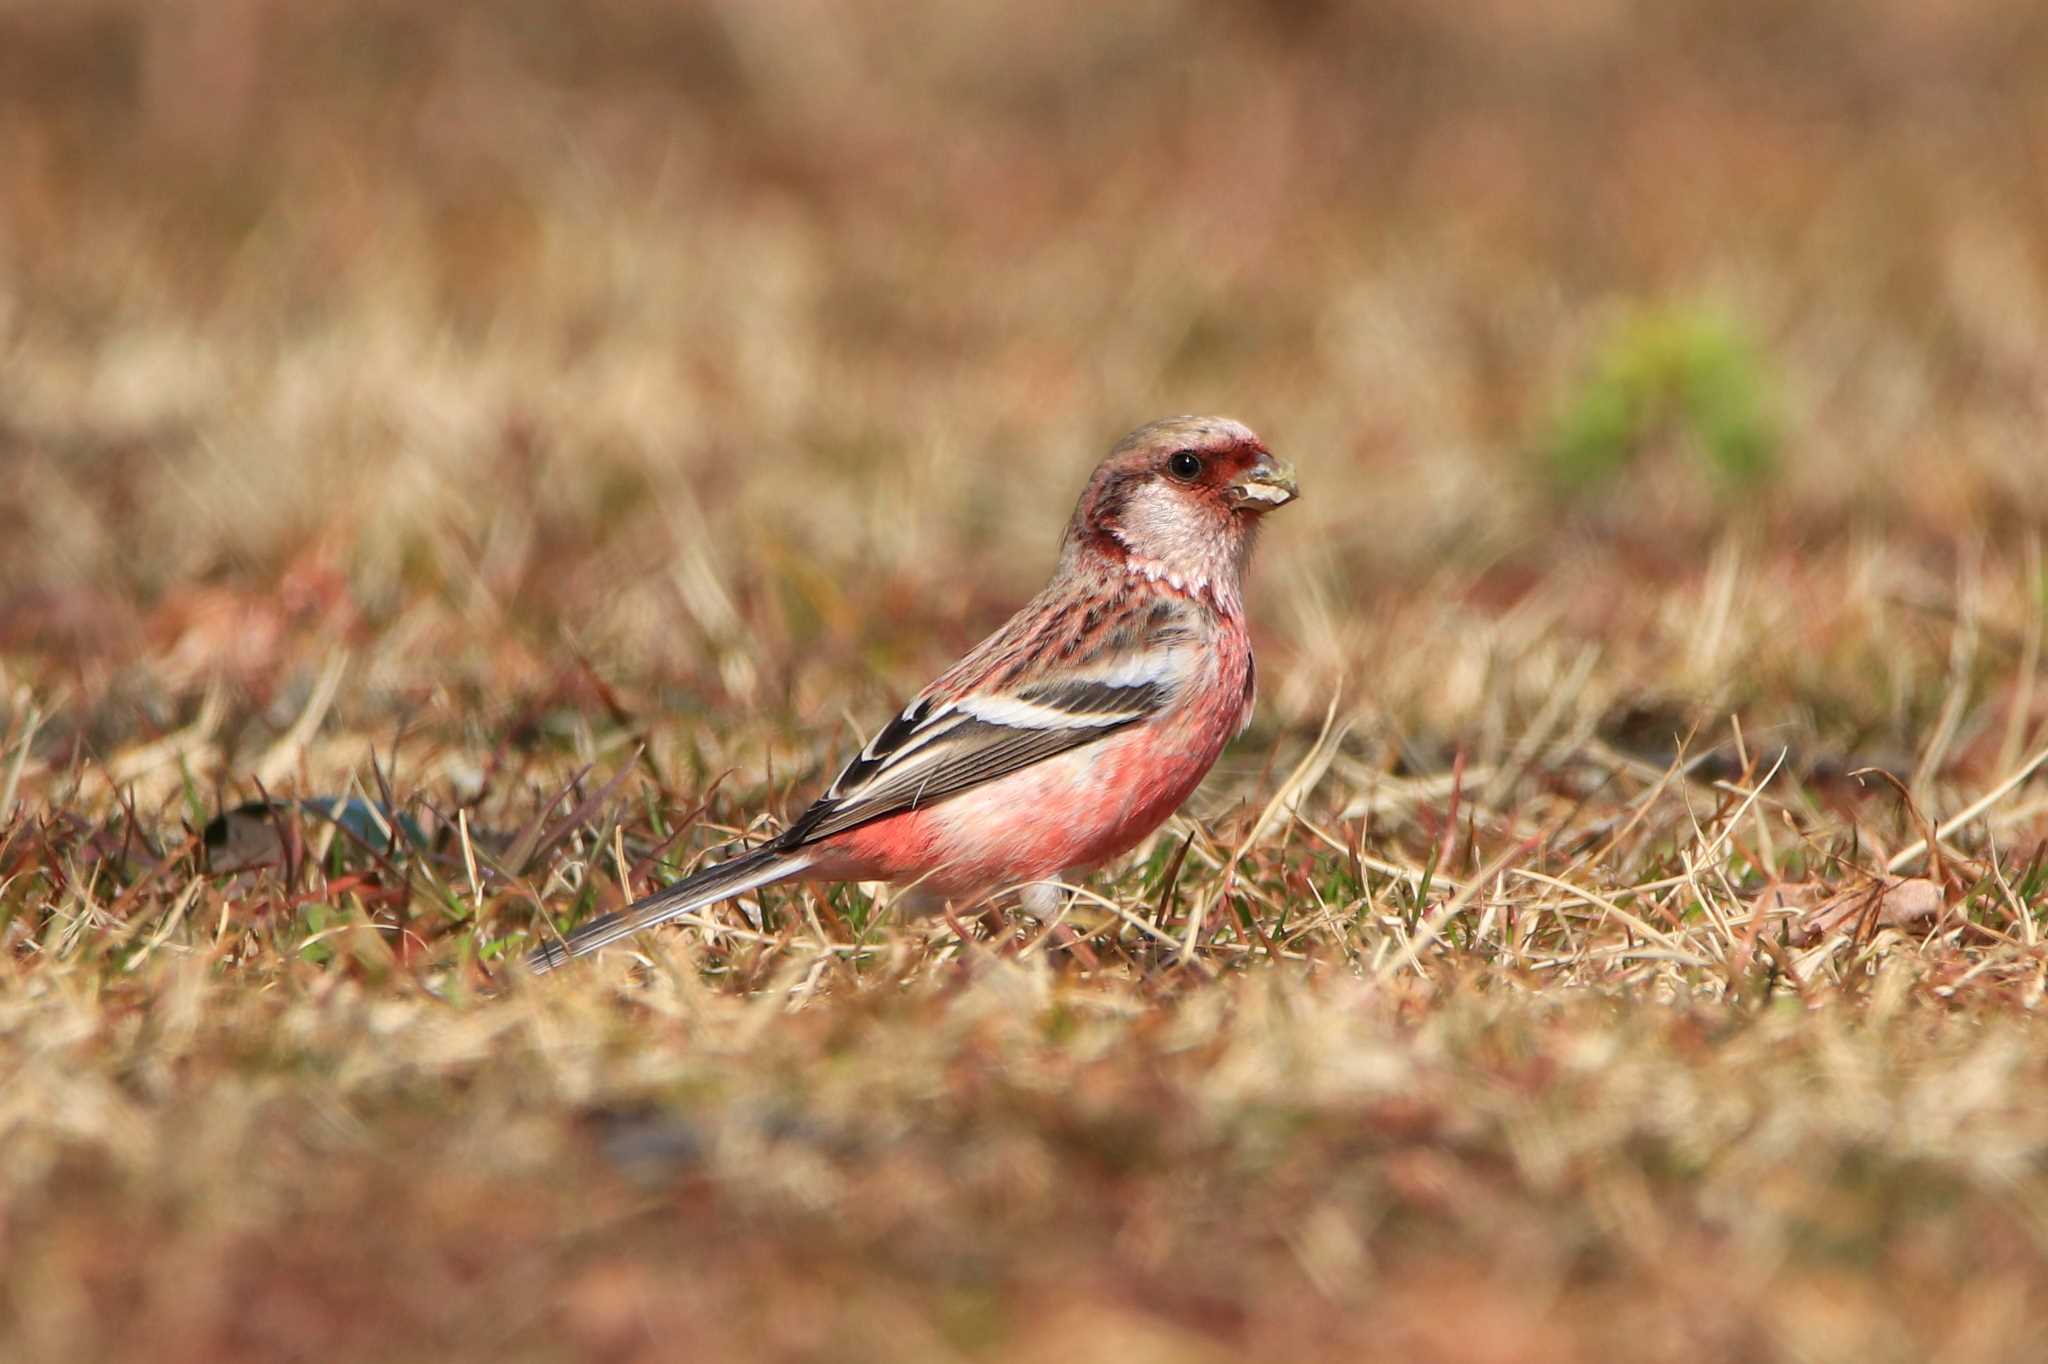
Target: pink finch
<point>1068,735</point>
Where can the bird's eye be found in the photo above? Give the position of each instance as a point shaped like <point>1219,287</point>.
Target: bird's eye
<point>1185,465</point>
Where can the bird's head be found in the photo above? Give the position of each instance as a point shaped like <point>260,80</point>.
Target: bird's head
<point>1180,500</point>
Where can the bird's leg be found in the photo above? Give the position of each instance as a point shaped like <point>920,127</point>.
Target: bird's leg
<point>960,930</point>
<point>1042,900</point>
<point>917,901</point>
<point>1045,902</point>
<point>921,902</point>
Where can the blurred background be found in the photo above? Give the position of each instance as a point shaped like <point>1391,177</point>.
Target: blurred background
<point>695,339</point>
<point>500,391</point>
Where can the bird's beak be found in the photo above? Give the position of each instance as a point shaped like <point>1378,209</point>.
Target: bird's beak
<point>1266,485</point>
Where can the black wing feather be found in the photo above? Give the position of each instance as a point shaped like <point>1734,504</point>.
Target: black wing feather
<point>935,749</point>
<point>1086,697</point>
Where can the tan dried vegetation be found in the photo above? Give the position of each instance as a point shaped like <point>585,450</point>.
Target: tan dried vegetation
<point>567,427</point>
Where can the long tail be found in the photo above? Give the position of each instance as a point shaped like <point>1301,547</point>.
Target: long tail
<point>761,867</point>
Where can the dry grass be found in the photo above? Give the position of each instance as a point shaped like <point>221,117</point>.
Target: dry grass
<point>572,425</point>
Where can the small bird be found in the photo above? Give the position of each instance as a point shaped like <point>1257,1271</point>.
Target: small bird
<point>1069,734</point>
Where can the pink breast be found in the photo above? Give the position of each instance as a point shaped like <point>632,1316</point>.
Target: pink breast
<point>1071,811</point>
<point>1076,810</point>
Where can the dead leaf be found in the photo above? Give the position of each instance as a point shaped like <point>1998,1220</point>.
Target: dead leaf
<point>1900,904</point>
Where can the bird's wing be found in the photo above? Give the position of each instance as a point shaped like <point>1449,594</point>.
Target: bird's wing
<point>1135,665</point>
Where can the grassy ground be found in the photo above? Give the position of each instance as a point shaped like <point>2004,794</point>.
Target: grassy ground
<point>571,427</point>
